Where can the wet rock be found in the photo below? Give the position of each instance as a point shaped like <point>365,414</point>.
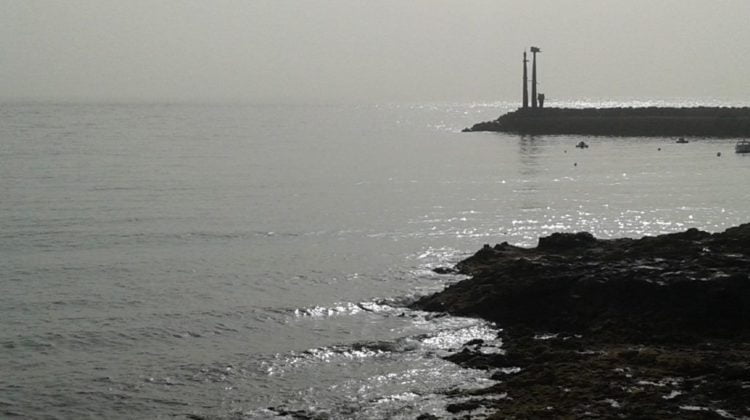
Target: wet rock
<point>444,270</point>
<point>567,241</point>
<point>295,414</point>
<point>463,406</point>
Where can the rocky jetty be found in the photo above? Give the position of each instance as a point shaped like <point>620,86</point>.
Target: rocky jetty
<point>657,327</point>
<point>645,121</point>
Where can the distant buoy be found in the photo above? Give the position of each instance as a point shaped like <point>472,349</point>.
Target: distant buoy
<point>718,154</point>
<point>659,149</point>
<point>575,163</point>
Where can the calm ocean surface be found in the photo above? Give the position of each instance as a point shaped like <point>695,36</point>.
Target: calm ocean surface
<point>231,262</point>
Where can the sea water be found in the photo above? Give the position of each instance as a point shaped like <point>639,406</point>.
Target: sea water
<point>255,261</point>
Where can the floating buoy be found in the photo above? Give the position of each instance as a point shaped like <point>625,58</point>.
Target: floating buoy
<point>718,154</point>
<point>575,163</point>
<point>659,149</point>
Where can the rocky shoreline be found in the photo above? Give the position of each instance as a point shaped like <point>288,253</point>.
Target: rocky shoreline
<point>645,121</point>
<point>657,327</point>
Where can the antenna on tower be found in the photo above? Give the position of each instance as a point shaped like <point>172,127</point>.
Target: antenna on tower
<point>534,50</point>
<point>525,82</point>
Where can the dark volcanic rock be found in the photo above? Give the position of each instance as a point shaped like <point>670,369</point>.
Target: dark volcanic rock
<point>444,270</point>
<point>657,327</point>
<point>691,282</point>
<point>567,241</point>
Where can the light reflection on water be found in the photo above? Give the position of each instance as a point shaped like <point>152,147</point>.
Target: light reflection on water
<point>400,378</point>
<point>163,258</point>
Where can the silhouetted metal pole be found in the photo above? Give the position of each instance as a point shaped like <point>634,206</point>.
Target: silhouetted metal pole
<point>534,50</point>
<point>525,82</point>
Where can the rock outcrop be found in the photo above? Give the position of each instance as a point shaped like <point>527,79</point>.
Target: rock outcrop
<point>657,327</point>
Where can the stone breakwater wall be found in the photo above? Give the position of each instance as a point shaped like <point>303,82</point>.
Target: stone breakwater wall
<point>646,121</point>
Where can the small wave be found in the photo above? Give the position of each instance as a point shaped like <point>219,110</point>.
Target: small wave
<point>455,338</point>
<point>398,394</point>
<point>443,335</point>
<point>296,360</point>
<point>357,350</point>
<point>396,306</point>
<point>441,255</point>
<point>115,333</point>
<point>345,308</point>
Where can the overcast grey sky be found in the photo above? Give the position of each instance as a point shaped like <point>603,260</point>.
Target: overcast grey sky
<point>333,51</point>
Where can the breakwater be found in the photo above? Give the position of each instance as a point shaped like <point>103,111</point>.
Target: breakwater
<point>645,121</point>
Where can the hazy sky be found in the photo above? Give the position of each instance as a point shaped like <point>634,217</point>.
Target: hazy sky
<point>333,51</point>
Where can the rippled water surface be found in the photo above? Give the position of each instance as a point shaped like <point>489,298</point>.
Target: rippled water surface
<point>160,261</point>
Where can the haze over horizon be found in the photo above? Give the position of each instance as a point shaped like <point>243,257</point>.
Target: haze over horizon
<point>355,51</point>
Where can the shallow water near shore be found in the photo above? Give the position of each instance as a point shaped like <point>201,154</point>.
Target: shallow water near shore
<point>238,261</point>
